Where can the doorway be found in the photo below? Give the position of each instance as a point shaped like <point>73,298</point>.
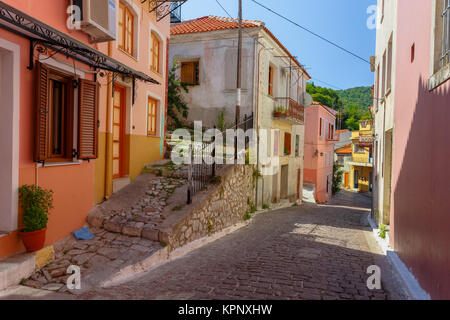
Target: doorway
<point>355,179</point>
<point>119,116</point>
<point>284,182</point>
<point>346,180</point>
<point>387,177</point>
<point>9,134</point>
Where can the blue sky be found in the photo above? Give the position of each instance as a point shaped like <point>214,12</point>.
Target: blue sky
<point>342,21</point>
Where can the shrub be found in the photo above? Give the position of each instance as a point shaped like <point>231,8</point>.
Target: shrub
<point>36,203</point>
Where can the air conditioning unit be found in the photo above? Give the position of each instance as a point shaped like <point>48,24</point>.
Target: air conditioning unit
<point>98,19</point>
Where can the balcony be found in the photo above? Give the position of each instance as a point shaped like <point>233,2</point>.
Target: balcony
<point>287,109</point>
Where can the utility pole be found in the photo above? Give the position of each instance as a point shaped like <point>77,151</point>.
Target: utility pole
<point>239,80</point>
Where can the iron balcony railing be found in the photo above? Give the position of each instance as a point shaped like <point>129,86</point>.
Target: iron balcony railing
<point>446,33</point>
<point>289,109</point>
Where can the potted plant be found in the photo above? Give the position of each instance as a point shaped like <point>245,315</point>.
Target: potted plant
<point>36,203</point>
<point>278,111</point>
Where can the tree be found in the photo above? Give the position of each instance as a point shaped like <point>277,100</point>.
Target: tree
<point>177,109</point>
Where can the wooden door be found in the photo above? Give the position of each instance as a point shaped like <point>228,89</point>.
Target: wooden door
<point>346,180</point>
<point>118,131</point>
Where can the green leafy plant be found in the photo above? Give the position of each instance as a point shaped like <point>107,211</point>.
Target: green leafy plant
<point>337,178</point>
<point>382,232</point>
<point>221,120</point>
<point>36,203</point>
<point>247,216</point>
<point>177,108</point>
<point>265,206</point>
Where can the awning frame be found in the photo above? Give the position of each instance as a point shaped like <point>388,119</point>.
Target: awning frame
<point>37,32</point>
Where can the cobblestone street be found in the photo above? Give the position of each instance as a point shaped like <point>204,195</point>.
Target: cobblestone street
<point>304,252</point>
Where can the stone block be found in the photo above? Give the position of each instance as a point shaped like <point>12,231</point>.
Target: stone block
<point>149,232</point>
<point>133,229</point>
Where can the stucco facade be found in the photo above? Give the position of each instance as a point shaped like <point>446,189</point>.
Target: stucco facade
<point>383,110</point>
<point>420,206</point>
<point>77,184</point>
<point>320,136</point>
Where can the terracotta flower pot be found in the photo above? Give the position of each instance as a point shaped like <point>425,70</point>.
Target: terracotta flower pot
<point>33,241</point>
<point>277,114</point>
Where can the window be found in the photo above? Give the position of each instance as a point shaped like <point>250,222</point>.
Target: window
<point>383,79</point>
<point>190,73</point>
<point>126,29</point>
<point>59,108</point>
<point>441,44</point>
<point>389,66</point>
<point>320,127</point>
<point>446,33</point>
<point>152,116</point>
<point>155,53</point>
<point>270,89</point>
<point>358,149</point>
<point>287,144</point>
<point>55,117</point>
<point>297,145</point>
<point>377,92</point>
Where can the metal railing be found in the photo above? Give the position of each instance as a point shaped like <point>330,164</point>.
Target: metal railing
<point>291,109</point>
<point>446,33</point>
<point>204,162</point>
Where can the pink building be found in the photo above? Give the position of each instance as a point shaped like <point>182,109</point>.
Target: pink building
<point>320,125</point>
<point>420,204</point>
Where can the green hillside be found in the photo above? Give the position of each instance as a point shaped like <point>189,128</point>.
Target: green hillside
<point>358,95</point>
<point>352,103</point>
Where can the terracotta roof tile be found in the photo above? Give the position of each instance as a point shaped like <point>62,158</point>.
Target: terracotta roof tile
<point>344,150</point>
<point>210,23</point>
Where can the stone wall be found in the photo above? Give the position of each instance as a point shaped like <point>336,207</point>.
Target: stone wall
<point>220,206</point>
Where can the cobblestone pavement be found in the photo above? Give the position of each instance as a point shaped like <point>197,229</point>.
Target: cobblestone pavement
<point>304,252</point>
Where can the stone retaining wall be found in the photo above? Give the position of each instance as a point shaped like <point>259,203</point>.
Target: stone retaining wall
<point>220,206</point>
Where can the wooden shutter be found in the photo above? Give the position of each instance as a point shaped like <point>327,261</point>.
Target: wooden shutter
<point>87,120</point>
<point>187,73</point>
<point>42,114</point>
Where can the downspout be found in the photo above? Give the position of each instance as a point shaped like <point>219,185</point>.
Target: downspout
<point>108,154</point>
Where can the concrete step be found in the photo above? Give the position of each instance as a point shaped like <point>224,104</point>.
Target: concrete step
<point>16,268</point>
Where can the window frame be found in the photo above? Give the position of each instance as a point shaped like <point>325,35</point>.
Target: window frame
<point>155,39</point>
<point>270,87</point>
<point>445,53</point>
<point>287,144</point>
<point>122,28</point>
<point>195,75</point>
<point>67,144</point>
<point>151,116</point>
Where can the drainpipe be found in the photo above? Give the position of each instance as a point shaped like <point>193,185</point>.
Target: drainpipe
<point>108,151</point>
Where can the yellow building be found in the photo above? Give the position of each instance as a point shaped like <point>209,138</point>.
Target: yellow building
<point>362,160</point>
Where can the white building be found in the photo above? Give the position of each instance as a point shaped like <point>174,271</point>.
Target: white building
<point>206,49</point>
<point>383,109</point>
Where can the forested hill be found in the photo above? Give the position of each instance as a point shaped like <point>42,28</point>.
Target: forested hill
<point>353,103</point>
<point>358,95</point>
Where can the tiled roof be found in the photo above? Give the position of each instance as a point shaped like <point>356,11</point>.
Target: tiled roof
<point>210,23</point>
<point>330,110</point>
<point>214,23</point>
<point>344,150</point>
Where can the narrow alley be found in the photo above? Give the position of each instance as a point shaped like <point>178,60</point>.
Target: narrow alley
<point>303,252</point>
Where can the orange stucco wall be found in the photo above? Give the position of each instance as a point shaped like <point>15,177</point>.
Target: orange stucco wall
<point>73,185</point>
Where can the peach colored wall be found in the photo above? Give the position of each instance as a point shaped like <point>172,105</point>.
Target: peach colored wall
<point>316,170</point>
<point>420,208</point>
<point>73,185</point>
